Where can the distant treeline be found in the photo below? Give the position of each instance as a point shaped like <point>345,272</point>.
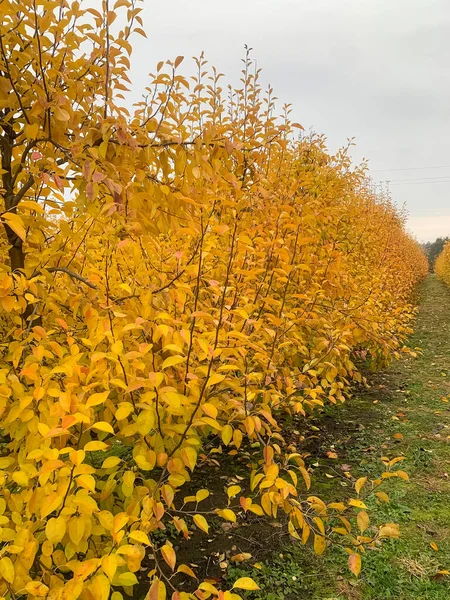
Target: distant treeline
<point>433,249</point>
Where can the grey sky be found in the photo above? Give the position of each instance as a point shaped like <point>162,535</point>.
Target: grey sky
<point>376,70</point>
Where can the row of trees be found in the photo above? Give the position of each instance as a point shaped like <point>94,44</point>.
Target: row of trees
<point>182,273</point>
<point>442,264</point>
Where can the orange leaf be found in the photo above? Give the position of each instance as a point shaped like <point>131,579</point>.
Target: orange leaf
<point>354,564</point>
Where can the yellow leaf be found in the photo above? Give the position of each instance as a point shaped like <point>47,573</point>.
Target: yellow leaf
<point>32,205</point>
<point>189,456</point>
<point>227,514</point>
<point>210,410</point>
<point>215,379</point>
<point>320,544</point>
<point>169,555</point>
<point>125,409</point>
<point>363,520</point>
<point>201,523</point>
<point>127,579</point>
<point>52,502</point>
<point>7,569</point>
<point>172,361</point>
<point>208,587</point>
<point>76,529</point>
<point>106,519</point>
<point>117,347</point>
<point>95,446</point>
<point>145,421</point>
<point>241,557</point>
<point>293,531</point>
<point>233,491</point>
<point>141,32</point>
<point>201,495</point>
<point>212,423</point>
<point>100,587</point>
<point>157,590</point>
<point>256,509</point>
<point>111,462</point>
<point>87,482</point>
<point>357,503</point>
<point>15,223</point>
<point>60,114</point>
<point>37,588</point>
<point>382,496</point>
<point>339,506</point>
<point>21,478</point>
<point>246,583</point>
<point>143,463</point>
<point>359,484</point>
<point>227,434</point>
<point>55,529</point>
<point>390,530</point>
<point>32,130</point>
<point>434,546</point>
<point>306,477</point>
<point>140,537</point>
<point>187,571</point>
<point>118,383</point>
<point>103,426</point>
<point>9,303</point>
<point>156,379</point>
<point>96,399</point>
<point>77,456</point>
<point>109,565</point>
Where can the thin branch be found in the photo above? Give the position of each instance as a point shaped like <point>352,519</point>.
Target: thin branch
<point>25,153</point>
<point>23,190</point>
<point>70,274</point>
<point>11,80</point>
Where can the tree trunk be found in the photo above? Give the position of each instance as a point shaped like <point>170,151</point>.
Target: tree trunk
<point>16,253</point>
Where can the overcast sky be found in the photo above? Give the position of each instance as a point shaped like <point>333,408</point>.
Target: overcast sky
<point>376,70</point>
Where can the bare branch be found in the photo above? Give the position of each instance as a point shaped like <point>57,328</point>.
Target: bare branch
<point>72,275</point>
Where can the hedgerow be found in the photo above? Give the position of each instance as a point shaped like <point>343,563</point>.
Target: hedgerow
<point>442,264</point>
<point>177,274</point>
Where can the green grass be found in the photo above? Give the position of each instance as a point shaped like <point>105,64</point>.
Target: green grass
<point>408,400</point>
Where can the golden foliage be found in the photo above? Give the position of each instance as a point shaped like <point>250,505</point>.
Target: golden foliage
<point>442,264</point>
<point>182,273</point>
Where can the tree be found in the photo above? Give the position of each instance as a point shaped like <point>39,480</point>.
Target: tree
<point>177,273</point>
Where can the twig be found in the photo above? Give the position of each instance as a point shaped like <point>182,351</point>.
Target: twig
<point>70,274</point>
